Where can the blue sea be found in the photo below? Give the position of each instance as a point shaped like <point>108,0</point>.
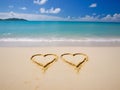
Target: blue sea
<point>59,33</point>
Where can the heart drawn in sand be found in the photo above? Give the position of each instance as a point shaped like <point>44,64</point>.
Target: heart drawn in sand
<point>44,61</point>
<point>78,59</point>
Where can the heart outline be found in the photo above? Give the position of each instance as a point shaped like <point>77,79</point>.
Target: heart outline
<point>77,66</point>
<point>45,66</point>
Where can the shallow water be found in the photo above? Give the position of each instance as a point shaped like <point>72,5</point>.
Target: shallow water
<point>59,31</point>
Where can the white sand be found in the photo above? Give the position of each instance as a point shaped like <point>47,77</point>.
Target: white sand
<point>101,72</point>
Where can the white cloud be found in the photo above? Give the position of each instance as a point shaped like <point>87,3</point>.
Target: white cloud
<point>31,17</point>
<point>23,8</point>
<point>11,6</point>
<point>98,18</point>
<point>107,18</point>
<point>88,18</point>
<point>39,17</point>
<point>93,5</point>
<point>51,11</point>
<point>111,18</point>
<point>68,17</point>
<point>40,2</point>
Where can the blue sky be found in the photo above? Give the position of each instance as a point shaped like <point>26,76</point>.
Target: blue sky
<point>80,10</point>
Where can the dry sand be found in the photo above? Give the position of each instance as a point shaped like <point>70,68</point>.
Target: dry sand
<point>18,72</point>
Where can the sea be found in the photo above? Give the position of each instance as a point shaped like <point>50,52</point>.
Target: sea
<point>59,33</point>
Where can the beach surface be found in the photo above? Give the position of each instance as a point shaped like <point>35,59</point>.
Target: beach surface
<point>100,72</point>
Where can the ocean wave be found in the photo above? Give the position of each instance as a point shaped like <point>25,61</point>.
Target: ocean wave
<point>6,34</point>
<point>59,40</point>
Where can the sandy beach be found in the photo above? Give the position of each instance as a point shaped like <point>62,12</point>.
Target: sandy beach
<point>18,72</point>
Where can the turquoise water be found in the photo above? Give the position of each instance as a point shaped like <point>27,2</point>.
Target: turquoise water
<point>58,31</point>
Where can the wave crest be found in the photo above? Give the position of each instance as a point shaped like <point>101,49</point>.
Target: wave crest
<point>59,40</point>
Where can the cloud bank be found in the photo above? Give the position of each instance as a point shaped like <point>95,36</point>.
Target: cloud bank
<point>39,17</point>
<point>31,17</point>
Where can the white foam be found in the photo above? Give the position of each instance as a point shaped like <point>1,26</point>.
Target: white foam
<point>7,34</point>
<point>59,40</point>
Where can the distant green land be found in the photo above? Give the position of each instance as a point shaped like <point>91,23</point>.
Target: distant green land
<point>13,19</point>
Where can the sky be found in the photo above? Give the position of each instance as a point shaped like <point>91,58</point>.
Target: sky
<point>70,10</point>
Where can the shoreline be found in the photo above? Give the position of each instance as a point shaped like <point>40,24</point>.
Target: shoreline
<point>59,44</point>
